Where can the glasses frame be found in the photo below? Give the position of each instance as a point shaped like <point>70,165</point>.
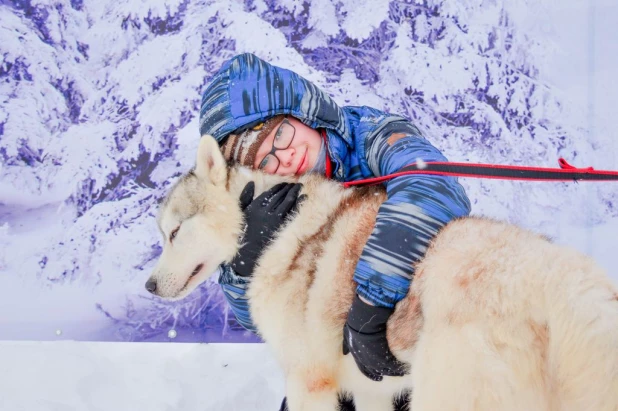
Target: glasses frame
<point>274,148</point>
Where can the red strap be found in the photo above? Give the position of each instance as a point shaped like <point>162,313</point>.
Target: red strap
<point>566,172</point>
<point>329,165</point>
<point>567,166</point>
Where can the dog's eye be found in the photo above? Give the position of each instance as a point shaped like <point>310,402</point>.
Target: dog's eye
<point>173,234</point>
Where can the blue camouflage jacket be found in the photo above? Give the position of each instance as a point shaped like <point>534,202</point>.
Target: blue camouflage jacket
<point>363,142</point>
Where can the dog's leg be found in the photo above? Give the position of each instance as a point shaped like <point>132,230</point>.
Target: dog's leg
<point>312,391</point>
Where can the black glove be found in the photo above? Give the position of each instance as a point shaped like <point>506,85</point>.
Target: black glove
<point>263,217</point>
<point>364,335</point>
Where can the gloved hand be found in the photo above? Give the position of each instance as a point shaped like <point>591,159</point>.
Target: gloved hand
<point>263,217</point>
<point>364,335</point>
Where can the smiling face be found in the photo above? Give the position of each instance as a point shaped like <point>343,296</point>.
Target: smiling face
<point>299,157</point>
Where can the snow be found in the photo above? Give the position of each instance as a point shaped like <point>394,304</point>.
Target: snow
<point>68,375</point>
<point>98,118</point>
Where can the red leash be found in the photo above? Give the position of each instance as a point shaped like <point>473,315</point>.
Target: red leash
<point>566,172</point>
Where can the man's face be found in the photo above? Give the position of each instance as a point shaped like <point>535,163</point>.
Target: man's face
<point>298,158</point>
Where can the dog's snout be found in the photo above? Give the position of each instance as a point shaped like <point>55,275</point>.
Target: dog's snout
<point>151,286</point>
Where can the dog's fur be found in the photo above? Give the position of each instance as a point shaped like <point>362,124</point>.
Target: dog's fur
<point>497,318</point>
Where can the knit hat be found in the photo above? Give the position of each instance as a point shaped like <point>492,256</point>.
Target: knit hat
<point>243,147</point>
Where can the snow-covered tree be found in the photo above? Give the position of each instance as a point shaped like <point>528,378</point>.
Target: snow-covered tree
<point>99,116</point>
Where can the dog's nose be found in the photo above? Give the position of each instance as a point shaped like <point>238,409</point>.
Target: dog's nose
<point>151,286</point>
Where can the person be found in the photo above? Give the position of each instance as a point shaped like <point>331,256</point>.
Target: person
<point>270,118</point>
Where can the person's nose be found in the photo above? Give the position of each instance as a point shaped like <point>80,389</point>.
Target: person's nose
<point>286,156</point>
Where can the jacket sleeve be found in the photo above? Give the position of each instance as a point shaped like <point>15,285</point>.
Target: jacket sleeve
<point>417,207</point>
<point>234,289</point>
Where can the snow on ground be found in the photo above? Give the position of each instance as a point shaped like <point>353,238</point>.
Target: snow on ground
<point>83,376</point>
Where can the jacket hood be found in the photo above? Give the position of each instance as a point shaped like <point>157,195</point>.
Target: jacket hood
<point>247,90</point>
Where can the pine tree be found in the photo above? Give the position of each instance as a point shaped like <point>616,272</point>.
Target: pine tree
<point>100,103</point>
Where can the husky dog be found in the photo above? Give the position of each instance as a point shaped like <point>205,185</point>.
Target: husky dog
<point>497,317</point>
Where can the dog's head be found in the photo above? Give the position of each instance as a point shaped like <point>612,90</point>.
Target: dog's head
<point>201,222</point>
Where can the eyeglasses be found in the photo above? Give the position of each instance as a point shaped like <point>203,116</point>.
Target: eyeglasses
<point>283,139</point>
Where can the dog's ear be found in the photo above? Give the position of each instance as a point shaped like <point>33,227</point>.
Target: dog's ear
<point>210,164</point>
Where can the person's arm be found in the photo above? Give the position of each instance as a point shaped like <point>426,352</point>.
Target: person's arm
<point>263,216</point>
<point>417,207</point>
<point>234,289</point>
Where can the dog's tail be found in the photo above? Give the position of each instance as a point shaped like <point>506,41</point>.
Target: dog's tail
<point>583,336</point>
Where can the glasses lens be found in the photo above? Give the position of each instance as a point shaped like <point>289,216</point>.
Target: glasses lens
<point>271,163</point>
<point>284,135</point>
